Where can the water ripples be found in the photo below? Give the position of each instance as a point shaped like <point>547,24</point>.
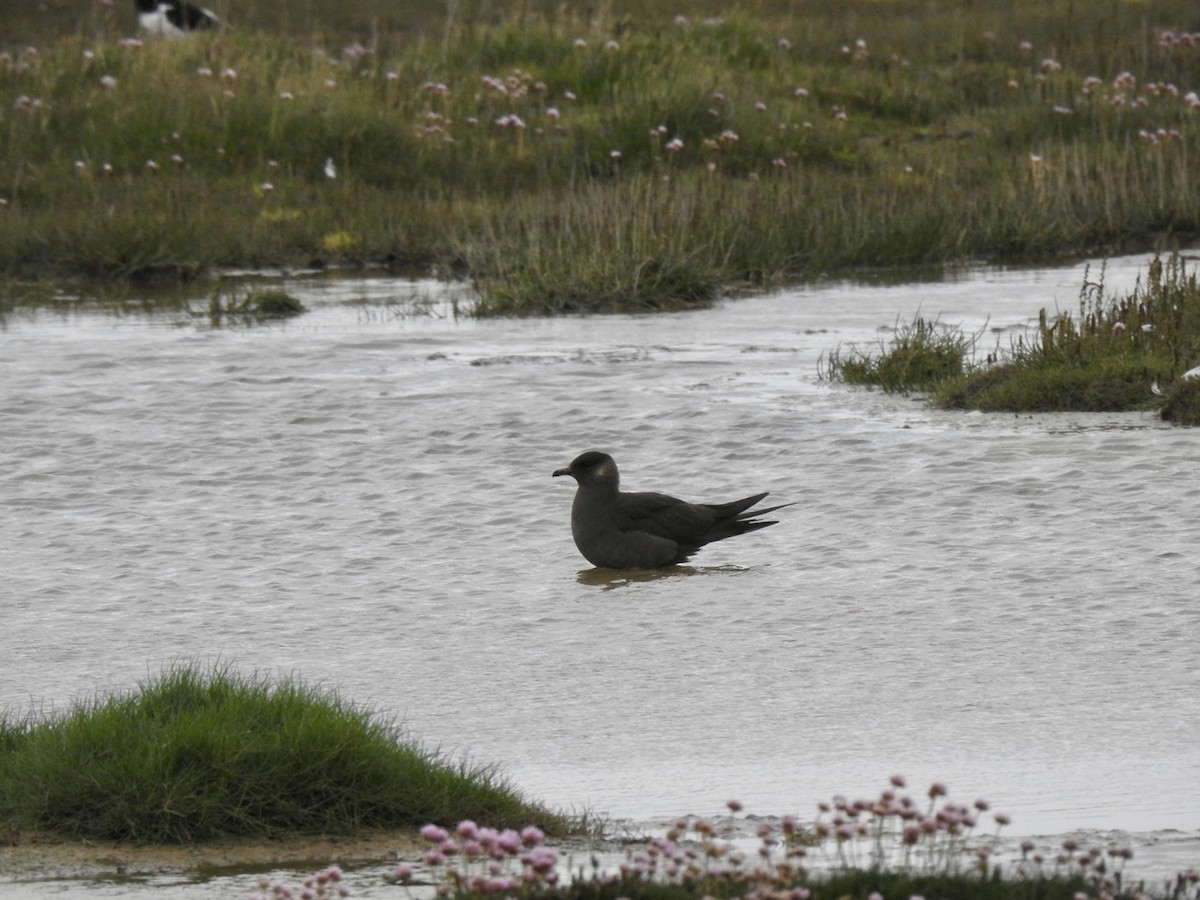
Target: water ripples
<point>1003,602</point>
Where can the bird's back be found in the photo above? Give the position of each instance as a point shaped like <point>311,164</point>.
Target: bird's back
<point>688,525</point>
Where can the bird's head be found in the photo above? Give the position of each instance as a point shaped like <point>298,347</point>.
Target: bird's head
<point>593,469</point>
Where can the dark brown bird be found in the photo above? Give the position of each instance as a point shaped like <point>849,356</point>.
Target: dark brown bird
<point>615,530</point>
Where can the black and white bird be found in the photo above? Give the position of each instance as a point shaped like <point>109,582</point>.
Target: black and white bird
<point>616,530</point>
<point>174,18</point>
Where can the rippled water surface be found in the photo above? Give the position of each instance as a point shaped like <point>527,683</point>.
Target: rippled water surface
<point>362,495</point>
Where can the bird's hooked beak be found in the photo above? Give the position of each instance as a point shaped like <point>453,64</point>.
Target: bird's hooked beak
<point>558,472</point>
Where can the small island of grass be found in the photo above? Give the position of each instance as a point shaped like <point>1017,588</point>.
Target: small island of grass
<point>199,755</point>
<point>1137,352</point>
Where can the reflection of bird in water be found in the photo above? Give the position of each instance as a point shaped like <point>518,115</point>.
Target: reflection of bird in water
<point>612,579</point>
<point>174,18</point>
<point>618,530</point>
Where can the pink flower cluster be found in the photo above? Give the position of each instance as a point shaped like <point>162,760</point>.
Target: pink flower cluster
<point>890,832</point>
<point>515,84</point>
<point>488,858</point>
<point>1169,39</point>
<point>894,830</point>
<point>317,886</point>
<point>1103,868</point>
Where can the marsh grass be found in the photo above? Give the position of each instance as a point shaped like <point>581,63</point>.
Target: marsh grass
<point>1113,354</point>
<point>605,251</point>
<point>617,160</point>
<point>200,754</point>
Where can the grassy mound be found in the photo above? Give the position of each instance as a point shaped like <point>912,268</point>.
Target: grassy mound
<point>196,755</point>
<point>1120,354</point>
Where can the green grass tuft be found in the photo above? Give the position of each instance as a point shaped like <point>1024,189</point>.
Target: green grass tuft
<point>922,355</point>
<point>199,754</point>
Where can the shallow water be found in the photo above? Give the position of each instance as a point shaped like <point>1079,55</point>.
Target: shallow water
<point>362,495</point>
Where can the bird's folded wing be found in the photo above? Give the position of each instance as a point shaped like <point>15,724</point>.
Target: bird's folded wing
<point>663,516</point>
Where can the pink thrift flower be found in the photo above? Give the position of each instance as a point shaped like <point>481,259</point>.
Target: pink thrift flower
<point>433,833</point>
<point>540,859</point>
<point>468,829</point>
<point>509,841</point>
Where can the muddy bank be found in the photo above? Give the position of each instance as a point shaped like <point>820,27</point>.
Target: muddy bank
<point>49,858</point>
